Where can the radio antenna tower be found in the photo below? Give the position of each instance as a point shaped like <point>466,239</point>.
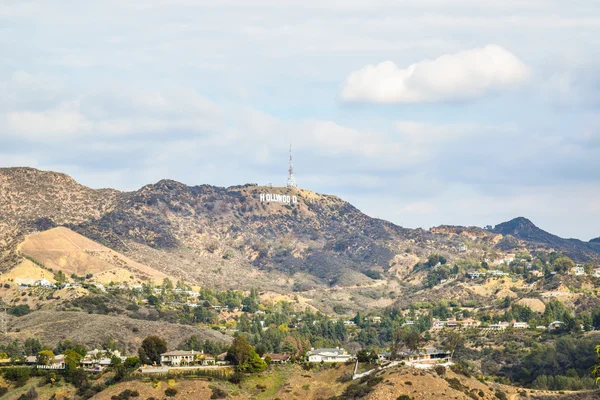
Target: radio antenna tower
<point>291,182</point>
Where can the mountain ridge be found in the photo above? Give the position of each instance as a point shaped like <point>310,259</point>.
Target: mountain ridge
<point>318,240</point>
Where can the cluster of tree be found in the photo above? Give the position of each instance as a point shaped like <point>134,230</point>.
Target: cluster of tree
<point>563,364</point>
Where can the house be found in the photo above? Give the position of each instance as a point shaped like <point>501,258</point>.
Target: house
<point>332,355</point>
<point>554,325</point>
<point>45,283</point>
<point>385,356</point>
<point>278,358</point>
<point>98,360</point>
<point>205,359</point>
<point>499,326</point>
<point>536,273</point>
<point>462,248</point>
<point>577,271</point>
<point>349,323</point>
<point>59,362</point>
<point>596,272</point>
<point>179,357</point>
<point>437,324</point>
<point>428,354</point>
<point>452,323</point>
<point>474,274</point>
<point>409,322</point>
<point>375,320</point>
<point>497,272</point>
<point>220,359</point>
<point>520,325</point>
<point>469,323</point>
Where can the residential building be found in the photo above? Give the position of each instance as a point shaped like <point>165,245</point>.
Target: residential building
<point>520,325</point>
<point>499,326</point>
<point>596,272</point>
<point>427,354</point>
<point>332,355</point>
<point>497,272</point>
<point>473,274</point>
<point>437,324</point>
<point>554,325</point>
<point>577,271</point>
<point>469,323</point>
<point>179,357</point>
<point>452,323</point>
<point>59,362</point>
<point>278,358</point>
<point>375,320</point>
<point>98,360</point>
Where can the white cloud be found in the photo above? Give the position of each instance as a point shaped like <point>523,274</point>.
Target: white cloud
<point>464,75</point>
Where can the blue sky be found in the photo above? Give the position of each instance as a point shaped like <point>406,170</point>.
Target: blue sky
<point>421,112</point>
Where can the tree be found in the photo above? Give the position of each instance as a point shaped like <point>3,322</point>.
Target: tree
<point>244,357</point>
<point>151,349</point>
<point>72,360</point>
<point>453,340</point>
<point>60,277</point>
<point>167,284</point>
<point>250,304</point>
<point>596,369</point>
<point>204,315</point>
<point>45,357</point>
<point>239,351</point>
<point>362,356</point>
<point>132,363</point>
<point>563,264</point>
<point>243,323</point>
<point>32,346</point>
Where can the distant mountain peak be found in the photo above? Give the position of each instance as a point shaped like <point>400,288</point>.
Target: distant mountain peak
<point>517,226</point>
<point>596,240</point>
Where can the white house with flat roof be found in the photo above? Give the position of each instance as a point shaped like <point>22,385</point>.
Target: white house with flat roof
<point>333,355</point>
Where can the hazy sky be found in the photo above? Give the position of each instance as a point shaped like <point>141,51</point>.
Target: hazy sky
<point>423,112</point>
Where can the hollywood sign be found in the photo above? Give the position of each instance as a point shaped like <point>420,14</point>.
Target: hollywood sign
<point>278,198</point>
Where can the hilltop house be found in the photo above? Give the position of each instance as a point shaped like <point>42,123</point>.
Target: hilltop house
<point>278,358</point>
<point>499,326</point>
<point>469,323</point>
<point>577,271</point>
<point>328,355</point>
<point>437,324</point>
<point>555,325</point>
<point>98,360</point>
<point>59,362</point>
<point>452,323</point>
<point>427,354</point>
<point>179,357</point>
<point>473,274</point>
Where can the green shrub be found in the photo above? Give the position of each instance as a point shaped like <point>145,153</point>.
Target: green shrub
<point>218,393</point>
<point>171,392</point>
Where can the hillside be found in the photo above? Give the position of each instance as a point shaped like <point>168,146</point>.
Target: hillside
<point>523,229</point>
<point>62,249</point>
<point>93,330</point>
<point>229,238</point>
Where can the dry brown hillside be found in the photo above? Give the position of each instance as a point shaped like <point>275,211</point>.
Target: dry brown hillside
<point>51,327</point>
<point>62,249</point>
